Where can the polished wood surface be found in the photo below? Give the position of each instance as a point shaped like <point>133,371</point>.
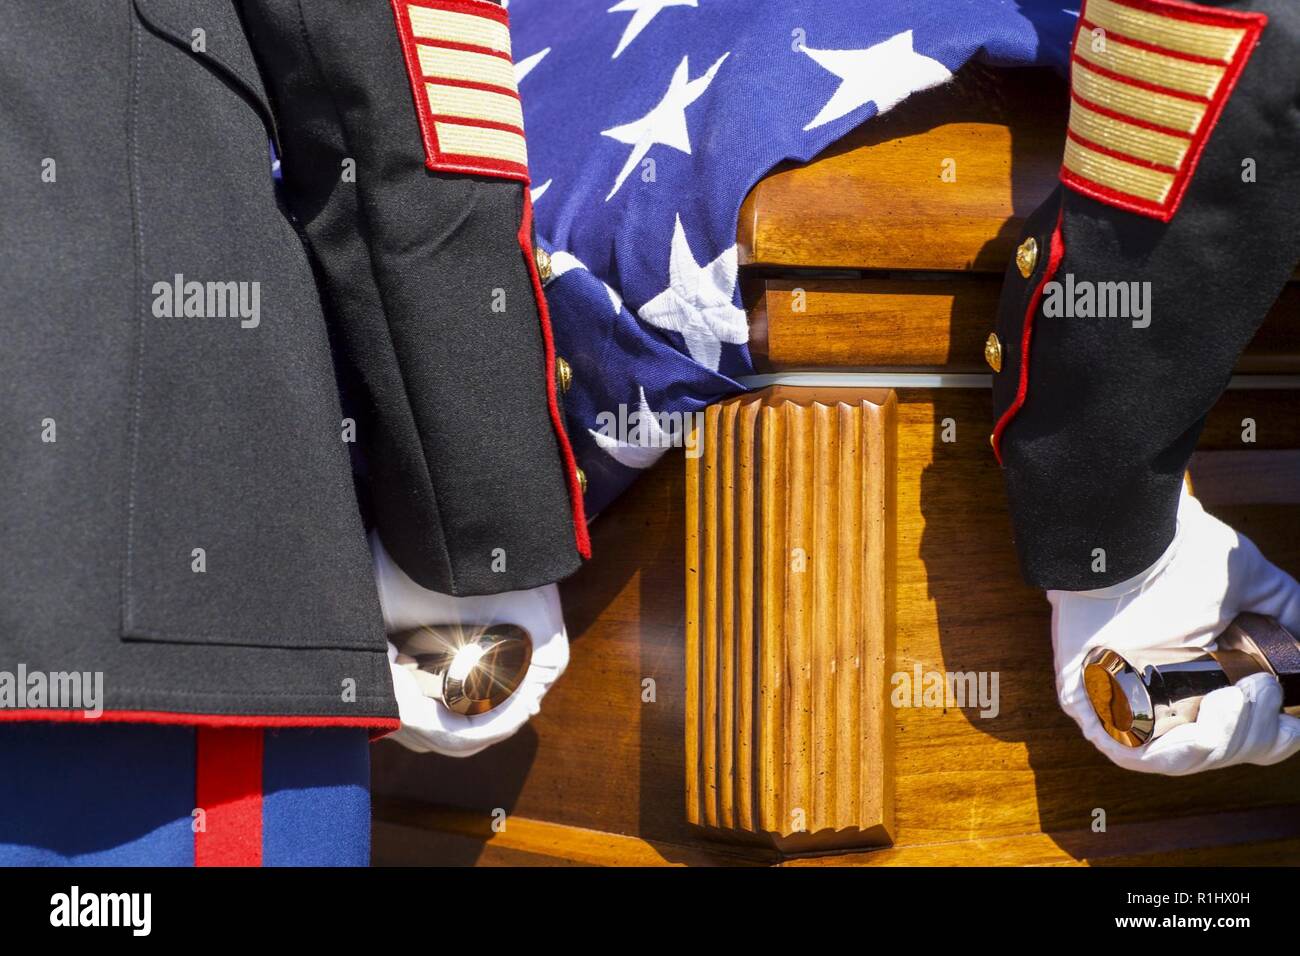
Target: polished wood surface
<point>904,268</point>
<point>1242,477</point>
<point>408,834</point>
<point>900,266</point>
<point>962,607</point>
<point>605,753</point>
<point>1272,839</point>
<point>967,789</point>
<point>416,834</point>
<point>941,183</point>
<point>879,199</point>
<point>937,322</point>
<point>789,618</point>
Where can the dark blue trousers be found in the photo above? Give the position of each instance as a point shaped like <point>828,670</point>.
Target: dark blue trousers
<point>125,795</point>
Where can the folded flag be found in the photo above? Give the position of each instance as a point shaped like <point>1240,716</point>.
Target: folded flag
<point>649,121</point>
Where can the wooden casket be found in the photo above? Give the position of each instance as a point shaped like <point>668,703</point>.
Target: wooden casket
<point>738,639</point>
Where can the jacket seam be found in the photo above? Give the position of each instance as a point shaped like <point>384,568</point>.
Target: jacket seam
<point>136,388</point>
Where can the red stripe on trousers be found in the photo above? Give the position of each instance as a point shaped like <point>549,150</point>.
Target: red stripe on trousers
<point>228,789</point>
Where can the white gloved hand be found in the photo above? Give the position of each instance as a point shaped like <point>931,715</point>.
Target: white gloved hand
<point>427,725</point>
<point>1208,575</point>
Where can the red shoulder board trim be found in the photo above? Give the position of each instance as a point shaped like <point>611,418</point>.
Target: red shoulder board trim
<point>1148,82</point>
<point>458,60</point>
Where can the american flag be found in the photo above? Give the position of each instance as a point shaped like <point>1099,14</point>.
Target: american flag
<point>649,121</point>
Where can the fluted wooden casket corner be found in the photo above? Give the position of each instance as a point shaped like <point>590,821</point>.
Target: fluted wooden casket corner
<point>789,618</point>
<point>751,643</point>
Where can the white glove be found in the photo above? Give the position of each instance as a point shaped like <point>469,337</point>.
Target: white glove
<point>1207,576</point>
<point>427,725</point>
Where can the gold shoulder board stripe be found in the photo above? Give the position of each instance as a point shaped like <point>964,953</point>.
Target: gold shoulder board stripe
<point>1148,81</point>
<point>457,55</point>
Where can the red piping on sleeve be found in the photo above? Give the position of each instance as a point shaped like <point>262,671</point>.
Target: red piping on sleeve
<point>561,436</point>
<point>1057,250</point>
<point>228,791</point>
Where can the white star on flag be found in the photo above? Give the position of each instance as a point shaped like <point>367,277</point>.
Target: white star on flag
<point>650,444</point>
<point>528,64</point>
<point>699,302</point>
<point>562,262</point>
<point>883,74</point>
<point>666,123</point>
<point>643,11</point>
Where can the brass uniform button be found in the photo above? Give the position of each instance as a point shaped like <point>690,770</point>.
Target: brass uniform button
<point>563,374</point>
<point>993,352</point>
<point>543,260</point>
<point>582,480</point>
<point>1027,257</point>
